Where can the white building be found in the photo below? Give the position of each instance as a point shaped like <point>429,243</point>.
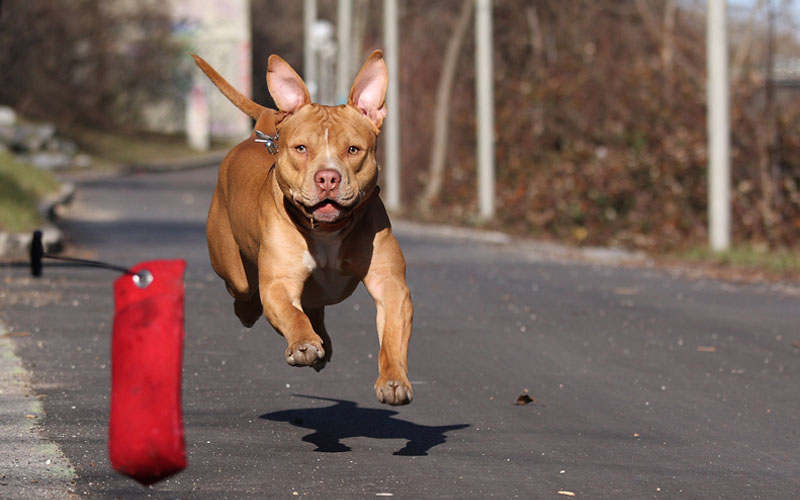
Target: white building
<point>219,32</point>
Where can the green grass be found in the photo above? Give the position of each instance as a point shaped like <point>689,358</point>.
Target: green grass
<point>111,150</point>
<point>21,189</point>
<point>748,257</point>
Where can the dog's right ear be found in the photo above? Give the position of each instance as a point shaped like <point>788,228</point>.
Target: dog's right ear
<point>285,85</point>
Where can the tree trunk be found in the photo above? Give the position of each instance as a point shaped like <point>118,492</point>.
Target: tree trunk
<point>668,50</point>
<point>441,113</point>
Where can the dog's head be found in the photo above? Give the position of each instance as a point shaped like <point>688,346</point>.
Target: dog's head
<point>326,163</point>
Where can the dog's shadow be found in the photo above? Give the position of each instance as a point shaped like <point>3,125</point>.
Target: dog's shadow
<point>345,419</point>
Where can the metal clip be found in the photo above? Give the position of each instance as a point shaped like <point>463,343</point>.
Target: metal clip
<point>143,278</point>
<point>269,141</point>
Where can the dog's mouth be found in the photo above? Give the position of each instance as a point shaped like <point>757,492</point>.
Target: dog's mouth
<point>326,211</point>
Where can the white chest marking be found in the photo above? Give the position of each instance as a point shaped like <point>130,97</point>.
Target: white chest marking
<point>309,261</point>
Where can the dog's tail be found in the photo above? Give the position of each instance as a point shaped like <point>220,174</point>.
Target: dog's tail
<point>239,100</point>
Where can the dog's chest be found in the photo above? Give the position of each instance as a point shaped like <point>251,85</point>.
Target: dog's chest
<point>323,261</point>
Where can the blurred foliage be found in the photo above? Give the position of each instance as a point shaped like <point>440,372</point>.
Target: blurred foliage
<point>601,124</point>
<point>600,105</point>
<point>84,61</point>
<point>21,190</point>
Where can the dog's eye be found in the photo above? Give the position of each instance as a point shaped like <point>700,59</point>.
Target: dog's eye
<point>353,150</point>
<point>301,148</point>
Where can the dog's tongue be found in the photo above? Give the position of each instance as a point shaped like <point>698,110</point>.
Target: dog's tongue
<point>326,212</point>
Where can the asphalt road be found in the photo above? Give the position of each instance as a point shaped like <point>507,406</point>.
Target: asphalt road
<point>644,385</point>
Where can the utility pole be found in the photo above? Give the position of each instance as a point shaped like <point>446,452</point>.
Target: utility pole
<point>343,28</point>
<point>309,57</point>
<point>719,176</point>
<point>392,123</point>
<point>485,107</point>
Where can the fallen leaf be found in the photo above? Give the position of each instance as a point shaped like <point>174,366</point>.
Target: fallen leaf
<point>16,334</point>
<point>524,399</point>
<point>706,348</point>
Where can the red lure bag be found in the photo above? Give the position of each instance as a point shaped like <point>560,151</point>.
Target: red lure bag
<point>146,439</point>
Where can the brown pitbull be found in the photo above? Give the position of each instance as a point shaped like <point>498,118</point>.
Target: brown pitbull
<point>296,226</point>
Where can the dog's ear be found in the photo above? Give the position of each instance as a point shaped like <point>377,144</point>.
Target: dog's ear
<point>369,90</point>
<point>285,85</point>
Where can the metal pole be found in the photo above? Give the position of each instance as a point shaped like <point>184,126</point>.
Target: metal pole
<point>309,62</point>
<point>719,211</point>
<point>485,106</point>
<point>392,122</point>
<point>343,23</point>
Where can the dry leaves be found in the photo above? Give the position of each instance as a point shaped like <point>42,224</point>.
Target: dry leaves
<point>706,348</point>
<point>524,399</point>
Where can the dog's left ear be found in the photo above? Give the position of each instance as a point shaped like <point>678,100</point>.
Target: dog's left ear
<point>369,90</point>
<point>285,86</point>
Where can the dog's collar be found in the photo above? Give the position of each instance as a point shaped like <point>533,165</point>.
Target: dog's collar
<point>328,227</point>
<point>269,141</point>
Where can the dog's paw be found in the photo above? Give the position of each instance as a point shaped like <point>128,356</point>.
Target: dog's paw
<point>394,392</point>
<point>306,353</point>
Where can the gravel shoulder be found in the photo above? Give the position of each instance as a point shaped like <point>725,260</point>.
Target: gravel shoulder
<point>31,466</point>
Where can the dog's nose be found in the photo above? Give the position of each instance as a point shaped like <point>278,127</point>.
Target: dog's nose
<point>328,180</point>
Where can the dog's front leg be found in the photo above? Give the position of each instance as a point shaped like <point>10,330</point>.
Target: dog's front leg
<point>280,297</point>
<point>386,283</point>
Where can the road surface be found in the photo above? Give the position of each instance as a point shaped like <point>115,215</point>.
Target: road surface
<point>643,384</point>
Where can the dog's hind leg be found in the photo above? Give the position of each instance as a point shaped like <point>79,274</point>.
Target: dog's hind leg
<point>247,301</point>
<point>317,317</point>
<point>248,310</point>
<point>228,263</point>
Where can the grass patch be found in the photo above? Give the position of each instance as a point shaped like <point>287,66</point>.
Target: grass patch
<point>111,150</point>
<point>22,187</point>
<point>776,262</point>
